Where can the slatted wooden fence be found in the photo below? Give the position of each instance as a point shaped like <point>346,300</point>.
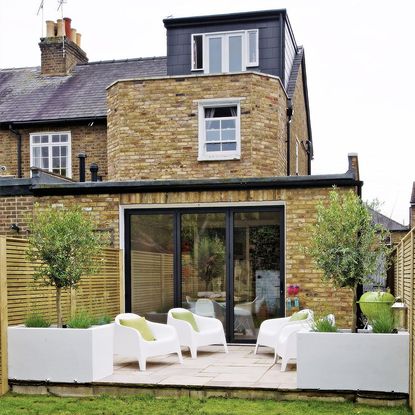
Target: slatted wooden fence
<point>19,295</point>
<point>404,264</point>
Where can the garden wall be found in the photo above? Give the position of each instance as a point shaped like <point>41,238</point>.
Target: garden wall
<point>404,264</point>
<point>19,295</point>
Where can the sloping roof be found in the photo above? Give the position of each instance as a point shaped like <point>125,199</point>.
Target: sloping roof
<point>388,223</point>
<point>26,95</point>
<point>298,58</point>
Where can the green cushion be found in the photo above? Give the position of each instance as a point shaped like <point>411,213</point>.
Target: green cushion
<point>140,324</point>
<point>186,316</point>
<point>299,315</point>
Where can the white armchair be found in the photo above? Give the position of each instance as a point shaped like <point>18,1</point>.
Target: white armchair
<point>210,331</point>
<point>129,342</point>
<point>287,340</point>
<point>270,330</point>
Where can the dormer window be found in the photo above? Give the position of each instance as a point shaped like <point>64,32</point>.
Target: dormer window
<point>225,51</point>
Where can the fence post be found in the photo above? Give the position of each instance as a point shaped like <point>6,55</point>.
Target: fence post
<point>4,384</point>
<point>411,321</point>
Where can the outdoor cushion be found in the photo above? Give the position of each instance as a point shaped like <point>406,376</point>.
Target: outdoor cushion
<point>186,316</point>
<point>299,315</point>
<point>140,324</point>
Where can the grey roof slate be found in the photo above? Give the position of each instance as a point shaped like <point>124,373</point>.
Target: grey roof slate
<point>388,223</point>
<point>26,95</point>
<point>298,58</point>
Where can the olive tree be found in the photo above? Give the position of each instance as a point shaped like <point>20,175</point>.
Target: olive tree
<point>345,243</point>
<point>64,244</point>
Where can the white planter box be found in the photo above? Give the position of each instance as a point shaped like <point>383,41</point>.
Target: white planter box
<point>60,355</point>
<point>353,361</point>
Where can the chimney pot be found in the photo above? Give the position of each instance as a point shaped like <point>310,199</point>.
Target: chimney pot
<point>50,28</point>
<point>67,22</point>
<point>60,31</point>
<point>78,39</point>
<point>73,35</point>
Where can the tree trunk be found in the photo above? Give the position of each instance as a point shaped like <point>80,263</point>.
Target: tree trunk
<point>58,306</point>
<point>354,310</point>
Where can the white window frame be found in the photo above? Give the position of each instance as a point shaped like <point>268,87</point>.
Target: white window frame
<point>50,145</point>
<point>204,155</point>
<point>225,49</point>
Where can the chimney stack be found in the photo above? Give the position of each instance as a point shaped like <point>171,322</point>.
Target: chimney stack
<point>61,48</point>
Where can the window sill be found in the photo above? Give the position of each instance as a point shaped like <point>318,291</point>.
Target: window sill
<point>219,158</point>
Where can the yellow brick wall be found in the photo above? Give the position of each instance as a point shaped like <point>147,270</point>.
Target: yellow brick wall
<point>299,128</point>
<point>153,127</point>
<point>84,139</point>
<point>300,211</point>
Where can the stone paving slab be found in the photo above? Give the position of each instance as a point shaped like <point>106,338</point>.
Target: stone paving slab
<point>238,368</point>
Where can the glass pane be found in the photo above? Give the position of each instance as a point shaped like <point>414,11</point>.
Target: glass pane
<point>212,147</point>
<point>215,55</point>
<point>44,139</point>
<point>256,276</point>
<point>55,151</point>
<point>63,172</point>
<point>45,163</point>
<point>36,139</point>
<point>63,162</point>
<point>151,253</point>
<point>64,138</point>
<point>197,52</point>
<point>228,135</point>
<point>63,151</point>
<point>235,53</point>
<point>55,162</point>
<point>45,151</point>
<point>229,146</point>
<point>203,260</point>
<point>252,50</point>
<point>228,124</point>
<point>55,138</point>
<point>36,151</point>
<point>212,135</point>
<point>212,125</point>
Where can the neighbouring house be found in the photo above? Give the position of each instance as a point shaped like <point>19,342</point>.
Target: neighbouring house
<point>200,164</point>
<point>380,280</point>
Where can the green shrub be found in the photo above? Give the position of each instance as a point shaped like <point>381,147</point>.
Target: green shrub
<point>324,325</point>
<point>36,320</point>
<point>105,319</point>
<point>383,321</point>
<point>81,320</point>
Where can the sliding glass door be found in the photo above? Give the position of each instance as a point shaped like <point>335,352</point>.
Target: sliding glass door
<point>256,271</point>
<point>203,263</point>
<point>225,263</point>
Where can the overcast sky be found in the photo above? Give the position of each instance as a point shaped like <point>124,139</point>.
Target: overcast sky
<point>360,69</point>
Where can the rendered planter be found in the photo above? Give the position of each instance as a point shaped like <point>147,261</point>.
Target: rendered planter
<point>60,355</point>
<point>353,361</point>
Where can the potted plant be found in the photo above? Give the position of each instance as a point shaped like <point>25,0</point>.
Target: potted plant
<point>347,247</point>
<point>64,245</point>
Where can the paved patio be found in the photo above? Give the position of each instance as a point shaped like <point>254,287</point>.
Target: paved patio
<point>239,368</point>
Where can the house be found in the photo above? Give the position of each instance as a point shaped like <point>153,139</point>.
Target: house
<point>200,164</point>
